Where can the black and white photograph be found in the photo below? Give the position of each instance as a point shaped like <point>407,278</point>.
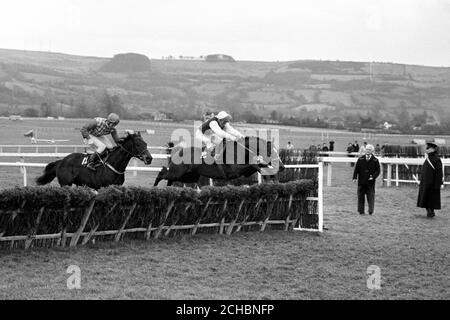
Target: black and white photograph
<point>225,155</point>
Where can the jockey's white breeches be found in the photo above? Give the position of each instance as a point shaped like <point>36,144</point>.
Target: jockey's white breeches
<point>203,140</point>
<point>99,144</point>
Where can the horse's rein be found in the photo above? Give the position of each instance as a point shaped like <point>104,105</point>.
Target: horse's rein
<point>244,146</point>
<point>130,153</point>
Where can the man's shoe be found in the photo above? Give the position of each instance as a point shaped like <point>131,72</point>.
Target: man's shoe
<point>361,213</point>
<point>370,213</point>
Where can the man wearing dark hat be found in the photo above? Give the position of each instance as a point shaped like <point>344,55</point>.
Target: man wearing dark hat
<point>431,181</point>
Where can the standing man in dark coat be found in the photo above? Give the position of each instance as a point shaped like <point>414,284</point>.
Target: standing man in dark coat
<point>431,181</point>
<point>331,148</point>
<point>367,169</point>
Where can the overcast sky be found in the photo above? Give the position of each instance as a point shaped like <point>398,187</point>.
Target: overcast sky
<point>403,31</point>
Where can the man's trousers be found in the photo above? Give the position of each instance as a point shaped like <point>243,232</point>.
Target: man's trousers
<point>366,190</point>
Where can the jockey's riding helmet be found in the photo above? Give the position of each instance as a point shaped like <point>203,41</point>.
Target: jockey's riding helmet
<point>113,118</point>
<point>222,115</point>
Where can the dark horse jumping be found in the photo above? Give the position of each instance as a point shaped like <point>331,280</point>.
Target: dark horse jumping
<point>240,158</point>
<point>70,170</point>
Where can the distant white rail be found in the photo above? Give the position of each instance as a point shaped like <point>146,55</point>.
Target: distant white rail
<point>56,147</point>
<point>56,155</point>
<point>389,161</point>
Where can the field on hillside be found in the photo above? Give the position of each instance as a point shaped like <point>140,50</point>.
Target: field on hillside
<point>185,89</point>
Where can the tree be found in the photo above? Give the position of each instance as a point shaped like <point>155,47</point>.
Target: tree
<point>420,119</point>
<point>250,117</point>
<point>111,103</point>
<point>45,109</point>
<point>404,119</point>
<point>81,108</point>
<point>30,112</point>
<point>274,115</point>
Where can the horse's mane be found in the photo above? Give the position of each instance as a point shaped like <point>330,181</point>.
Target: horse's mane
<point>128,137</point>
<point>125,139</point>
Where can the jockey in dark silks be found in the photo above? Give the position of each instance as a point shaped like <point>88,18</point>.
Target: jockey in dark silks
<point>95,134</point>
<point>213,131</point>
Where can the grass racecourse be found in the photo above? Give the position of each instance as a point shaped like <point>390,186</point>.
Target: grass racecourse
<point>411,251</point>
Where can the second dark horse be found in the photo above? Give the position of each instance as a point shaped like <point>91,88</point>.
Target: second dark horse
<point>241,158</point>
<point>70,170</point>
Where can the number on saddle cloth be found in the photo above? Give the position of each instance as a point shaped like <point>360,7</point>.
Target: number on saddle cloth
<point>84,161</point>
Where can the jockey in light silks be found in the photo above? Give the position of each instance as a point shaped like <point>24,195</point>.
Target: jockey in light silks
<point>95,134</point>
<point>216,128</point>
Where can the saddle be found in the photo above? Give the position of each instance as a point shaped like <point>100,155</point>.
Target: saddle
<point>97,163</point>
<point>211,153</point>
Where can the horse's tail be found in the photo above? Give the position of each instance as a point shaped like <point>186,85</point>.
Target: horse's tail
<point>49,173</point>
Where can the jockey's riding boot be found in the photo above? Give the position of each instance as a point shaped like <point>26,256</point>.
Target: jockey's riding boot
<point>91,161</point>
<point>218,155</point>
<point>204,153</point>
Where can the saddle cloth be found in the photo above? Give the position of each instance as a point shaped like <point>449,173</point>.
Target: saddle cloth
<point>85,159</point>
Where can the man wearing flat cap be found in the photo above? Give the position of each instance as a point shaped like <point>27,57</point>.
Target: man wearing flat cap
<point>431,181</point>
<point>367,169</point>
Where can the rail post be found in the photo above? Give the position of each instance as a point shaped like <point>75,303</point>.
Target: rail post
<point>23,170</point>
<point>329,173</point>
<point>389,174</point>
<point>320,195</point>
<point>396,175</point>
<point>135,163</point>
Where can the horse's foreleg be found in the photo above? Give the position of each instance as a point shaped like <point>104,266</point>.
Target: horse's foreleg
<point>158,179</point>
<point>257,168</point>
<point>161,176</point>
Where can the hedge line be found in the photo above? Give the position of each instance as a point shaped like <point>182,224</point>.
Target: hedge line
<point>49,210</point>
<point>294,156</point>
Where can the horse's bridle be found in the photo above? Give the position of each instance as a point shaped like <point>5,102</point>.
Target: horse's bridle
<point>273,150</point>
<point>139,156</point>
